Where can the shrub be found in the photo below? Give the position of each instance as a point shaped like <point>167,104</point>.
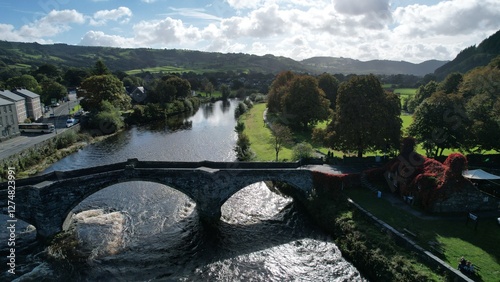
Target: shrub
<point>240,109</point>
<point>302,150</point>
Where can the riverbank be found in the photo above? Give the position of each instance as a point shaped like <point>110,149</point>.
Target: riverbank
<point>373,251</point>
<point>39,157</point>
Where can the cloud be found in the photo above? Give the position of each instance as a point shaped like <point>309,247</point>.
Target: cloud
<point>448,18</point>
<point>165,32</point>
<point>101,17</point>
<point>264,22</point>
<point>51,25</point>
<point>99,38</point>
<point>194,13</point>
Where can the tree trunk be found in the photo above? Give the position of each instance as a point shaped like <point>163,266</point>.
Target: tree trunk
<point>277,152</point>
<point>360,153</point>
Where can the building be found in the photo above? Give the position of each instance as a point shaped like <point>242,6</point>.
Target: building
<point>33,104</point>
<point>138,95</point>
<point>18,101</point>
<point>8,119</point>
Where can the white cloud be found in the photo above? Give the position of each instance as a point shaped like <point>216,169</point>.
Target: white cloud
<point>448,18</point>
<point>99,38</point>
<point>101,17</point>
<point>51,25</point>
<point>165,32</point>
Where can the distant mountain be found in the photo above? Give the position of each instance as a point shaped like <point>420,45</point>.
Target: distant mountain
<point>472,57</point>
<point>15,55</point>
<point>346,66</point>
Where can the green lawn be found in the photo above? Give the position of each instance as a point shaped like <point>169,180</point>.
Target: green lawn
<point>456,238</point>
<point>166,69</point>
<point>258,134</point>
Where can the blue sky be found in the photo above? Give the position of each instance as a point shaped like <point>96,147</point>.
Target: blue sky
<point>410,30</point>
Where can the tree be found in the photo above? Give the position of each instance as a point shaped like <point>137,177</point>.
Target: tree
<point>242,149</point>
<point>24,81</point>
<point>451,83</point>
<point>209,88</point>
<point>224,89</point>
<point>277,91</point>
<point>305,103</point>
<point>108,120</point>
<point>480,89</point>
<point>98,88</point>
<point>182,86</point>
<point>440,123</point>
<point>73,77</point>
<point>366,118</point>
<point>100,69</point>
<point>52,90</point>
<point>329,84</point>
<point>302,151</point>
<point>49,71</point>
<point>281,137</point>
<point>423,92</point>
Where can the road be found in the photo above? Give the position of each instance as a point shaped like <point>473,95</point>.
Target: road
<point>27,140</point>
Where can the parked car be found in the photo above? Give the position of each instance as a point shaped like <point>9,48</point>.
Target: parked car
<point>70,122</point>
<point>55,105</point>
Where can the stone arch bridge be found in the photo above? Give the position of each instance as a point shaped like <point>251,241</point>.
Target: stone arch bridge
<point>46,201</point>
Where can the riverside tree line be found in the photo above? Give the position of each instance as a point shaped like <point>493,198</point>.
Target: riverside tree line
<point>462,112</point>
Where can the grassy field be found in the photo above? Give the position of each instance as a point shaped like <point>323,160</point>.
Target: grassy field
<point>166,69</point>
<point>258,134</point>
<point>455,238</point>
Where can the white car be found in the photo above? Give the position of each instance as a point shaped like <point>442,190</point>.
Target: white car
<point>70,122</point>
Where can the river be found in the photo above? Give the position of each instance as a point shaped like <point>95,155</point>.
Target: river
<point>141,231</point>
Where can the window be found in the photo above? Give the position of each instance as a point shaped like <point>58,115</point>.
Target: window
<point>1,122</point>
<point>10,108</point>
<point>11,119</point>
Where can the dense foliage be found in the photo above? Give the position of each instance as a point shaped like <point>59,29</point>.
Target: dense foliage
<point>366,118</point>
<point>298,100</point>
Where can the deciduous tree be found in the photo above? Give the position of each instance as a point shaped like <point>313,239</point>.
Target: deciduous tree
<point>304,104</point>
<point>98,88</point>
<point>329,84</point>
<point>282,136</point>
<point>366,118</point>
<point>439,123</point>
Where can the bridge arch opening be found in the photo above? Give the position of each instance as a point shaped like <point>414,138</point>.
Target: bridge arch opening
<point>118,215</point>
<point>255,202</point>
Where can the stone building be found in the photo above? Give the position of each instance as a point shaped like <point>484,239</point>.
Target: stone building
<point>33,103</point>
<point>19,102</point>
<point>8,119</point>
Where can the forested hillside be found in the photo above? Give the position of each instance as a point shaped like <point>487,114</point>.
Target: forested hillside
<point>18,56</point>
<point>471,57</point>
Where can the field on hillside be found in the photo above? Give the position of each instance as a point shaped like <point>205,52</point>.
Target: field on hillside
<point>405,93</point>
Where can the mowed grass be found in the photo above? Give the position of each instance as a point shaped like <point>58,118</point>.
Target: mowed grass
<point>166,69</point>
<point>259,136</point>
<point>455,237</point>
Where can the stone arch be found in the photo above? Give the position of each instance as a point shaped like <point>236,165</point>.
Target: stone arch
<point>48,226</point>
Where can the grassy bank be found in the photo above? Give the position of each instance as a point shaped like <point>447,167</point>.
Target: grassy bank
<point>372,250</point>
<point>259,133</point>
<point>453,237</point>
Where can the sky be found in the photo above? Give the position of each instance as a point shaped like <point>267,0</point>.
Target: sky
<point>401,30</point>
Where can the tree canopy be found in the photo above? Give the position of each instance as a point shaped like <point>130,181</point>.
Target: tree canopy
<point>298,100</point>
<point>366,118</point>
<point>98,88</point>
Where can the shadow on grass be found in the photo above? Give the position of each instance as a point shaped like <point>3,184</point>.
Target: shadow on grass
<point>447,237</point>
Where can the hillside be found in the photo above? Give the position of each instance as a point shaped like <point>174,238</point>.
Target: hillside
<point>346,66</point>
<point>26,55</point>
<point>471,57</point>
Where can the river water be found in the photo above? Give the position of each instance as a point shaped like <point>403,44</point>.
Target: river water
<point>141,231</point>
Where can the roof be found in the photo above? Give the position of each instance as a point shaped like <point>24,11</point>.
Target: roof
<point>4,102</point>
<point>6,94</point>
<point>479,174</point>
<point>26,93</point>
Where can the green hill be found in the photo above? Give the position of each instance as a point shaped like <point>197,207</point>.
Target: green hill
<point>472,57</point>
<point>14,55</point>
